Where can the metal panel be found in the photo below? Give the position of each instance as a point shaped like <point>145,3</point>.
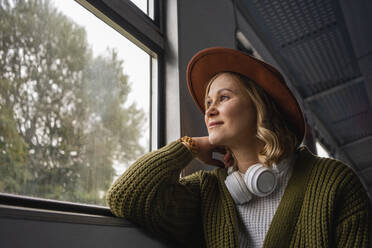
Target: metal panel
<point>361,153</point>
<point>347,113</point>
<point>342,104</point>
<point>321,62</point>
<point>292,20</point>
<point>354,128</point>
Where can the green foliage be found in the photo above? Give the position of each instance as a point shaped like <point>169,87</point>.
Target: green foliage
<point>64,121</point>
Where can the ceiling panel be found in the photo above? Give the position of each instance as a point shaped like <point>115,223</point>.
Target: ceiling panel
<point>354,128</point>
<point>342,104</point>
<point>321,62</point>
<point>292,20</point>
<point>361,153</point>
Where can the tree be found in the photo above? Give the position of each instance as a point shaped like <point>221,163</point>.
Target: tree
<point>63,117</point>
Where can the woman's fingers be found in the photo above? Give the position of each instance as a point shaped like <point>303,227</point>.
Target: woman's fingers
<point>227,156</point>
<point>206,150</point>
<point>229,163</point>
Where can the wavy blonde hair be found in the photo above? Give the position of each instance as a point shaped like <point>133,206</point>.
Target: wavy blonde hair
<point>272,128</point>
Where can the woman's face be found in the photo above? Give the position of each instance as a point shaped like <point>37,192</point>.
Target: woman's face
<point>230,114</point>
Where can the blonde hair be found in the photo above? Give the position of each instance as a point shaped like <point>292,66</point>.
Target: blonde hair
<point>272,129</point>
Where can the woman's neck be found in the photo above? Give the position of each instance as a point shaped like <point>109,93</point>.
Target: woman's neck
<point>246,156</point>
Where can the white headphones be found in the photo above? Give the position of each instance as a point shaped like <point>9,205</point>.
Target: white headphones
<point>258,180</point>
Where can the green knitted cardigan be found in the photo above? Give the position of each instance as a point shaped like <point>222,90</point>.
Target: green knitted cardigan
<point>324,204</point>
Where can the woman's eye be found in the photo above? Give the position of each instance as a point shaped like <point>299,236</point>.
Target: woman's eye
<point>208,103</point>
<point>223,98</point>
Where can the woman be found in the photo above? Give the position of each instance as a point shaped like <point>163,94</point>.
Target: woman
<point>274,193</point>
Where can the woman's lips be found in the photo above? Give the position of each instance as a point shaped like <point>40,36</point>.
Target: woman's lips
<point>215,124</point>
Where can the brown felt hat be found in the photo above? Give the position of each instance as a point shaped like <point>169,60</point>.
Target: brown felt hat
<point>208,62</point>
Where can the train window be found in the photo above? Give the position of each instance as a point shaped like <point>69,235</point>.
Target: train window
<point>75,103</point>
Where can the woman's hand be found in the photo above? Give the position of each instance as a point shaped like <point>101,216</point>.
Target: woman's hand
<point>206,150</point>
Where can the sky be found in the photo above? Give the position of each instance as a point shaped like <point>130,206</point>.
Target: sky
<point>100,36</point>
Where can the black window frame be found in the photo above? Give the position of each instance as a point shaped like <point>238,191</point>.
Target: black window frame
<point>148,34</point>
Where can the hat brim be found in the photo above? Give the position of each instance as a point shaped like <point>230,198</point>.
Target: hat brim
<point>211,61</point>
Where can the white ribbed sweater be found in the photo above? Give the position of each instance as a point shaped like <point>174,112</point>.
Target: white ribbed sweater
<point>255,216</point>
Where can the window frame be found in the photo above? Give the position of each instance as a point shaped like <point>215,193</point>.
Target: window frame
<point>126,18</point>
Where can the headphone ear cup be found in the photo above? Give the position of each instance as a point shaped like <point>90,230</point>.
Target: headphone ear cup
<point>237,188</point>
<point>260,180</point>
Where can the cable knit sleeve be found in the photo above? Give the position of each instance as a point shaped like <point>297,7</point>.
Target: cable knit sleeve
<point>354,214</point>
<point>151,194</point>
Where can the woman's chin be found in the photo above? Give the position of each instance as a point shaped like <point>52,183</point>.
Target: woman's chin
<point>215,139</point>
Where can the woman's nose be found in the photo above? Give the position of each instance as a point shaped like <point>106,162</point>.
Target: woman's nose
<point>211,111</point>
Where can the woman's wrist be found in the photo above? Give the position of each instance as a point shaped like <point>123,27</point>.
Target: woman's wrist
<point>201,149</point>
<point>190,145</point>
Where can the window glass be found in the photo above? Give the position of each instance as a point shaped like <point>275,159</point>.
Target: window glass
<point>321,151</point>
<point>74,101</point>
